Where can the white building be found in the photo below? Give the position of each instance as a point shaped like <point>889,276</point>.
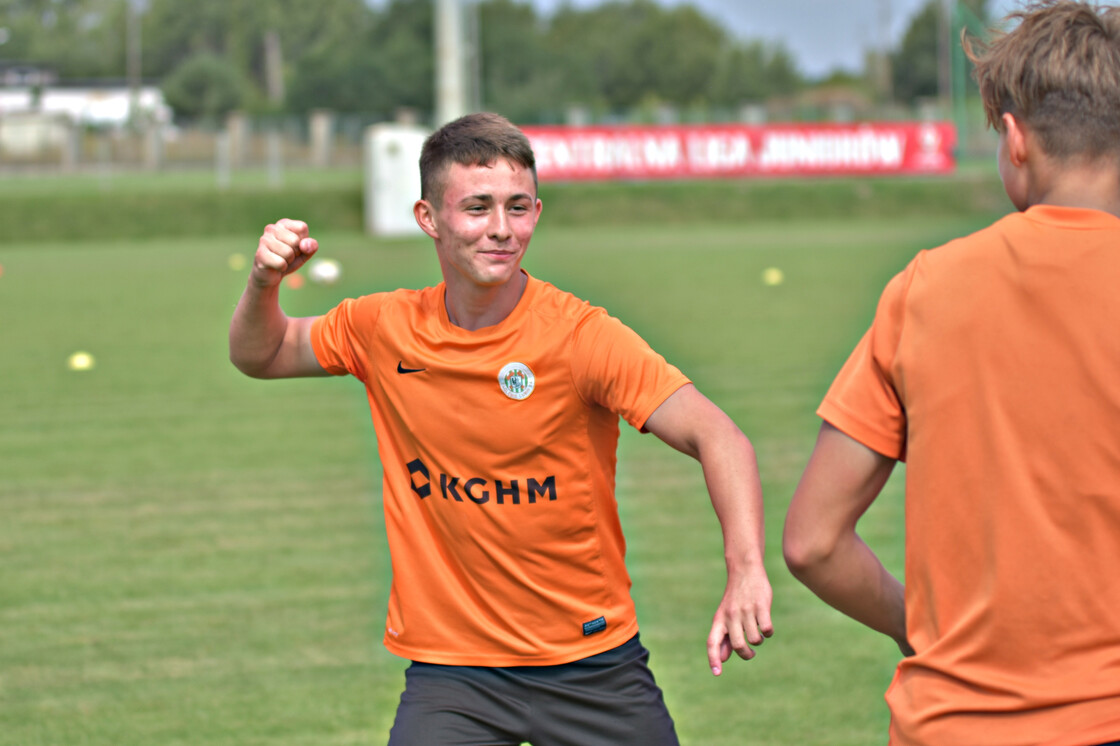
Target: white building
<point>34,122</point>
<point>98,107</point>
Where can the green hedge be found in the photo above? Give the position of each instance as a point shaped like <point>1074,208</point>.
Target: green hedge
<point>754,200</point>
<point>138,212</point>
<point>109,215</point>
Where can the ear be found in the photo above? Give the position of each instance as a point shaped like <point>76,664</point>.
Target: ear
<point>425,216</point>
<point>1016,140</point>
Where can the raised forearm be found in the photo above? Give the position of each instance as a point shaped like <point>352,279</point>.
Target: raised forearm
<point>257,331</point>
<point>263,341</point>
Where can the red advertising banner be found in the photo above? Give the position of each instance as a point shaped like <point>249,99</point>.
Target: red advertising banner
<point>709,151</point>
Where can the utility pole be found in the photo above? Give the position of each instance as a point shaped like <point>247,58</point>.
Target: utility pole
<point>132,33</point>
<point>273,68</point>
<point>451,97</point>
<point>945,55</point>
<point>883,65</point>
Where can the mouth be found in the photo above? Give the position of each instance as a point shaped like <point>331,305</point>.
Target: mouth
<point>499,255</point>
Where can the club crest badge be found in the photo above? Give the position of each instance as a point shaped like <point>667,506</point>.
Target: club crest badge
<point>516,380</point>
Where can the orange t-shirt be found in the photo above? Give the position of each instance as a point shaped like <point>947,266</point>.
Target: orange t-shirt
<point>993,369</point>
<point>498,448</point>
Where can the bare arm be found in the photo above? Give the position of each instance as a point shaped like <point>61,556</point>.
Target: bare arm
<point>820,543</point>
<point>263,341</point>
<point>692,424</point>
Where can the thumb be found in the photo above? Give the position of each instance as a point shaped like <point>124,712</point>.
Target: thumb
<point>719,650</point>
<point>304,251</point>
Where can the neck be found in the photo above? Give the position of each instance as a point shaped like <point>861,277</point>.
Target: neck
<point>472,307</point>
<point>1092,187</point>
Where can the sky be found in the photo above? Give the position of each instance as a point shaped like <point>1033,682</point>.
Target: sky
<point>822,35</point>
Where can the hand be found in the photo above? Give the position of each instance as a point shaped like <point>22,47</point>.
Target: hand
<point>284,247</point>
<point>742,619</point>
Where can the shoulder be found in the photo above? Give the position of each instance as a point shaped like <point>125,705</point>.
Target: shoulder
<point>555,304</point>
<point>374,305</point>
<point>961,268</point>
<point>407,296</point>
<point>980,246</point>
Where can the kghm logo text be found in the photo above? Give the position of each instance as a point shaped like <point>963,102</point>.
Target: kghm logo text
<point>478,490</point>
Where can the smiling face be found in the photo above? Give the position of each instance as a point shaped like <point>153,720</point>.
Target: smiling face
<point>482,225</point>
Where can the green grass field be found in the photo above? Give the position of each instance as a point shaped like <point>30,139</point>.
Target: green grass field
<point>193,557</point>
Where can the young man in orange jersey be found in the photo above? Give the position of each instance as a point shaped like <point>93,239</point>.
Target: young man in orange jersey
<point>496,399</point>
<point>992,368</point>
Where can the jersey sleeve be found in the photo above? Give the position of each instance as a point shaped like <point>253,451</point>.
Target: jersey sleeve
<point>615,368</point>
<point>864,401</point>
<point>338,337</point>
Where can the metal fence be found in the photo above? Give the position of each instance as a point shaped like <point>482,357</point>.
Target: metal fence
<point>42,143</point>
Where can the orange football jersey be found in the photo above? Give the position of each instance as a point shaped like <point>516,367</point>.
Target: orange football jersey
<point>993,368</point>
<point>498,449</point>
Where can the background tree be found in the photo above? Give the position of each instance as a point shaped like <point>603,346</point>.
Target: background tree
<point>376,62</point>
<point>915,65</point>
<point>174,31</point>
<point>206,87</point>
<point>522,75</point>
<point>753,72</point>
<point>78,39</point>
<point>627,53</point>
<point>375,57</point>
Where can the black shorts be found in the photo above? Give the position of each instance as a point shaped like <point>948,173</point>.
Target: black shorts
<point>609,699</point>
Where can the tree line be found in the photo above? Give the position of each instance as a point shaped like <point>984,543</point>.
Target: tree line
<point>353,56</point>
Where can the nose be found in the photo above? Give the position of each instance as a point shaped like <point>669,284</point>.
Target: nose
<point>499,225</point>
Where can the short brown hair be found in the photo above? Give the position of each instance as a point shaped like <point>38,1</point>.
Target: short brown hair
<point>473,140</point>
<point>1058,72</point>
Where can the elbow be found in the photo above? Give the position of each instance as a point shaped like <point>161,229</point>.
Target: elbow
<point>805,550</point>
<point>253,360</point>
<point>249,367</point>
<point>246,370</point>
<point>732,435</point>
<point>726,435</point>
<point>239,362</point>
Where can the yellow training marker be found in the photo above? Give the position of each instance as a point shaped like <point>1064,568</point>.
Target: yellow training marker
<point>772,276</point>
<point>80,361</point>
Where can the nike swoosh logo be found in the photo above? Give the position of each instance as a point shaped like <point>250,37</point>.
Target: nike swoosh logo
<point>402,369</point>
